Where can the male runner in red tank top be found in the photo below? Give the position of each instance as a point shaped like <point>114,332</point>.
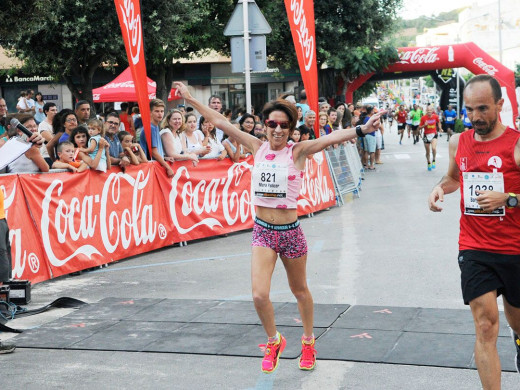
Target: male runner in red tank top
<point>485,165</point>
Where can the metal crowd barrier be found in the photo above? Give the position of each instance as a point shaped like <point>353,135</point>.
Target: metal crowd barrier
<point>346,169</point>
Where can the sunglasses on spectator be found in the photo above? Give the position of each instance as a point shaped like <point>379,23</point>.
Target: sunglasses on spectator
<point>71,120</point>
<point>274,124</point>
<point>113,123</point>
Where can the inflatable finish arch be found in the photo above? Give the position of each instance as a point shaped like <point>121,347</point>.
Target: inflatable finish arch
<point>467,55</point>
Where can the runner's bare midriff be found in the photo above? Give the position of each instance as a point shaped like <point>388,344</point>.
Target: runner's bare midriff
<point>276,216</point>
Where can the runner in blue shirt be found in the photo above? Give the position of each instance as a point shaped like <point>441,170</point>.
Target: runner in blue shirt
<point>449,121</point>
<point>465,119</point>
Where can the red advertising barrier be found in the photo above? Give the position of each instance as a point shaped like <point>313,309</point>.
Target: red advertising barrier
<point>317,192</point>
<point>81,220</point>
<point>28,256</point>
<point>211,199</point>
<point>94,218</point>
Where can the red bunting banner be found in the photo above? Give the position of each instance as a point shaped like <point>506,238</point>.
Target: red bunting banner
<point>301,19</point>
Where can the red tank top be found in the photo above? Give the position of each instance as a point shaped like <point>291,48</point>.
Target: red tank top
<point>490,233</point>
<point>401,116</point>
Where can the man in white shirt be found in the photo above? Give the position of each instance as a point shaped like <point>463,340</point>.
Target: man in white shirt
<point>46,130</point>
<point>31,106</point>
<point>215,103</point>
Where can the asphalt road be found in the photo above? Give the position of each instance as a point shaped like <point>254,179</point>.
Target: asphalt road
<point>383,248</point>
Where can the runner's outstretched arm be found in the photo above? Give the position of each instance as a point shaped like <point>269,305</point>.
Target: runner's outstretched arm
<point>449,182</point>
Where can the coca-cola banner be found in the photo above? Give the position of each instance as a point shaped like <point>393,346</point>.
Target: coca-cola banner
<point>317,192</point>
<point>209,200</point>
<point>466,55</point>
<point>94,218</point>
<point>129,14</point>
<point>29,261</point>
<point>66,222</point>
<point>301,20</point>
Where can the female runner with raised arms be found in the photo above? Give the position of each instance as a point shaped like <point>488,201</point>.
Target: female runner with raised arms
<point>276,180</point>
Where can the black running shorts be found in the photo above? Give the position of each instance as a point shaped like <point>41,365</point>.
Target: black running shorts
<point>446,126</point>
<point>400,126</point>
<point>482,272</point>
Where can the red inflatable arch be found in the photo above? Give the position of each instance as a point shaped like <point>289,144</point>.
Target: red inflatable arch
<point>467,55</point>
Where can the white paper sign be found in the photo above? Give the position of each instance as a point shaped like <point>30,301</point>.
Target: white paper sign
<point>11,150</point>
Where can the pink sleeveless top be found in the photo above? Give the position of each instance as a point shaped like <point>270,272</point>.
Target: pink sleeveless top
<point>276,181</point>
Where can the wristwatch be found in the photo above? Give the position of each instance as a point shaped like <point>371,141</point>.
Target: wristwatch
<point>359,132</point>
<point>512,201</point>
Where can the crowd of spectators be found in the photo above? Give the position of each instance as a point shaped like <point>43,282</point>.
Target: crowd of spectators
<point>76,142</point>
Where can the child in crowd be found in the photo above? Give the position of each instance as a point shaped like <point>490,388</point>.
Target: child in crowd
<point>96,131</point>
<point>66,158</point>
<point>262,137</point>
<point>132,150</point>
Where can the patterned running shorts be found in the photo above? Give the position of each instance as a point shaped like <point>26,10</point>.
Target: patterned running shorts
<point>286,240</point>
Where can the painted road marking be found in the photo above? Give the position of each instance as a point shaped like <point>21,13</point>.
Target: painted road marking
<point>171,263</point>
<point>361,336</point>
<point>384,311</point>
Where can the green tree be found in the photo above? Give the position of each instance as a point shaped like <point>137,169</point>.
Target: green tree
<point>351,39</point>
<point>67,39</point>
<point>71,39</point>
<point>176,29</point>
<point>517,76</point>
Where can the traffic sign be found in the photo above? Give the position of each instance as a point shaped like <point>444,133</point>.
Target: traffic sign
<point>257,23</point>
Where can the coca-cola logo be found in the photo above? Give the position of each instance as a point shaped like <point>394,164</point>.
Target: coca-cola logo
<point>305,39</point>
<point>20,257</point>
<point>127,84</point>
<point>489,69</point>
<point>8,199</point>
<point>315,186</point>
<point>68,222</point>
<point>134,32</point>
<point>204,198</point>
<point>422,55</point>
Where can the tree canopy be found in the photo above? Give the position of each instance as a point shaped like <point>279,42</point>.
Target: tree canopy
<point>351,39</point>
<point>71,39</point>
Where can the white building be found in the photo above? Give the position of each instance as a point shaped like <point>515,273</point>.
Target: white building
<point>479,23</point>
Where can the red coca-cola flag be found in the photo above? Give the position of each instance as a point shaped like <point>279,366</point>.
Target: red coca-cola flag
<point>301,20</point>
<point>129,14</point>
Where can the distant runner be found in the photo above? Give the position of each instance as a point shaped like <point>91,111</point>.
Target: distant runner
<point>431,125</point>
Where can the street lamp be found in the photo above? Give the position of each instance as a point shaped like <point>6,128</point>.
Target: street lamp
<point>499,33</point>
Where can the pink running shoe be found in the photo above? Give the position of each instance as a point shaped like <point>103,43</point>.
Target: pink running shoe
<point>272,355</point>
<point>308,358</point>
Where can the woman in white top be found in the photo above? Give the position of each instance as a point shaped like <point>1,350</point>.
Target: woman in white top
<point>210,139</point>
<point>172,126</point>
<point>234,150</point>
<point>192,139</point>
<point>39,116</point>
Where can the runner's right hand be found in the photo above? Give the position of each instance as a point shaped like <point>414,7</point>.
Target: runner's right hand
<point>437,194</point>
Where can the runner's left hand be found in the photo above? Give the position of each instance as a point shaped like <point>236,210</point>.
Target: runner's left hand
<point>374,122</point>
<point>491,200</point>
